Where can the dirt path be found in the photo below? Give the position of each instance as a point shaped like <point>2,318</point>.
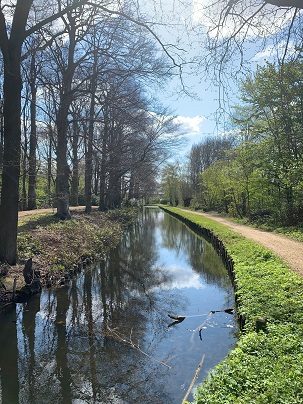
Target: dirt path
<point>50,210</point>
<point>290,251</point>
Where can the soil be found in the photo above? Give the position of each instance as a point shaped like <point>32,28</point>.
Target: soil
<point>290,251</point>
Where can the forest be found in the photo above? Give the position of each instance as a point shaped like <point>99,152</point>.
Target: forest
<point>254,171</point>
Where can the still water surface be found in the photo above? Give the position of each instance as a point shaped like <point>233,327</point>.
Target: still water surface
<point>106,338</point>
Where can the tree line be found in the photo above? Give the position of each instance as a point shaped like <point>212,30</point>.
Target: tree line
<point>254,170</point>
<point>79,123</point>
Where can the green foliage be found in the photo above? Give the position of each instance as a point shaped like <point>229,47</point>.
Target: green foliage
<point>28,246</point>
<point>42,197</point>
<point>264,367</point>
<point>194,203</point>
<point>175,185</point>
<point>260,178</point>
<point>294,232</point>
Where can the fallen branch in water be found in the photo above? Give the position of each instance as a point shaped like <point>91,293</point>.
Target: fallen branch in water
<point>179,319</point>
<point>196,375</point>
<point>228,311</point>
<point>129,342</point>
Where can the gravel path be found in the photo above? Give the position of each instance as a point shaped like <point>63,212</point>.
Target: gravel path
<point>290,251</point>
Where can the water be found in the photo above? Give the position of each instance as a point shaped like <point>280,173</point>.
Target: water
<point>105,339</point>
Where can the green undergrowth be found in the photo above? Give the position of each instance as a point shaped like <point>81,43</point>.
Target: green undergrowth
<point>296,233</point>
<point>56,245</point>
<point>293,232</point>
<point>264,367</point>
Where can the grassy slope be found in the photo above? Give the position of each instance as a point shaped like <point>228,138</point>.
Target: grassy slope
<point>264,367</point>
<point>57,245</point>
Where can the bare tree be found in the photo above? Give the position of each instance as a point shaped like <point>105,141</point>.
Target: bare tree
<point>11,43</point>
<point>18,21</point>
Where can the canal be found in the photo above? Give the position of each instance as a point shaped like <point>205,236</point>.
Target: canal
<point>108,337</point>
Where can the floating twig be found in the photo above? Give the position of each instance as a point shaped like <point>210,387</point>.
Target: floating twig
<point>196,375</point>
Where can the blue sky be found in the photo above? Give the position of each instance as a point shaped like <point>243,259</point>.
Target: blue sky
<point>195,115</point>
<point>198,115</point>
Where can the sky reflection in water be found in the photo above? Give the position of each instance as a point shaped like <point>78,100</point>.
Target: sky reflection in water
<point>105,339</point>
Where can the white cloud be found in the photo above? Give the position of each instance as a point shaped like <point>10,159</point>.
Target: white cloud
<point>181,277</point>
<point>191,125</point>
<point>269,21</point>
<point>272,51</point>
<point>198,11</point>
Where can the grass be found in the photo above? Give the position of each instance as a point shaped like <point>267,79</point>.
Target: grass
<point>294,232</point>
<point>265,367</point>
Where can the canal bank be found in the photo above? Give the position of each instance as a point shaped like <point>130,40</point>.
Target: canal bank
<point>267,365</point>
<point>58,250</point>
<point>108,337</point>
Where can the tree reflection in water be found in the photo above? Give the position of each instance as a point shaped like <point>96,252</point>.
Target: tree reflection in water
<point>201,255</point>
<point>102,339</point>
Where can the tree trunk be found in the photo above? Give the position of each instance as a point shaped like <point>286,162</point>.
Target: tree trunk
<point>114,191</point>
<point>23,201</point>
<point>62,183</point>
<point>102,178</point>
<point>89,163</point>
<point>89,148</point>
<point>96,176</point>
<point>102,195</point>
<point>1,136</point>
<point>131,191</point>
<point>62,179</point>
<point>32,167</point>
<point>49,173</point>
<point>11,158</point>
<point>74,197</point>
